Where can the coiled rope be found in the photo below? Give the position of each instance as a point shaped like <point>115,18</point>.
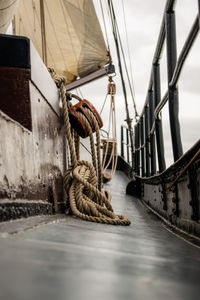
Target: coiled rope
<point>87,200</point>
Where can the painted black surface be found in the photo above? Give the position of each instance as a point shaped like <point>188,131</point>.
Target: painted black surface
<point>15,51</point>
<point>123,166</point>
<point>159,130</point>
<point>15,94</point>
<point>73,259</point>
<point>15,209</point>
<point>170,25</point>
<point>147,140</point>
<point>142,145</point>
<point>152,136</point>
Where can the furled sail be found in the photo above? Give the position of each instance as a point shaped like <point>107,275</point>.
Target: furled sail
<point>7,10</point>
<point>66,34</point>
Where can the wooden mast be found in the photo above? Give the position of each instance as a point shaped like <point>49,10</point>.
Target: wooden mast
<point>43,32</point>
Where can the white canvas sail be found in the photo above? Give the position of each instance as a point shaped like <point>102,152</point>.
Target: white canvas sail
<point>66,34</point>
<point>7,10</point>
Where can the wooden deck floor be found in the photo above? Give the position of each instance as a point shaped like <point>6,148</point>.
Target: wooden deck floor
<point>69,259</point>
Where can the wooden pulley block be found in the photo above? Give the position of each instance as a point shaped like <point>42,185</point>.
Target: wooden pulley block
<point>77,123</point>
<point>111,88</point>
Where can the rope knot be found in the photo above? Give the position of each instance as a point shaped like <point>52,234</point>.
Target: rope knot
<point>57,79</point>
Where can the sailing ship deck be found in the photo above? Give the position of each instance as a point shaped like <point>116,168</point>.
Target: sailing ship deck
<point>71,259</point>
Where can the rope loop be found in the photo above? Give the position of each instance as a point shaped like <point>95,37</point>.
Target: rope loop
<point>87,200</point>
<point>59,80</point>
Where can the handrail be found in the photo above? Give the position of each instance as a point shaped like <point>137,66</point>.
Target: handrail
<point>127,142</point>
<point>179,66</point>
<point>150,120</point>
<point>160,43</point>
<point>184,53</point>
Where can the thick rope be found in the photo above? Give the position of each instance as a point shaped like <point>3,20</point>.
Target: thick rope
<point>86,200</point>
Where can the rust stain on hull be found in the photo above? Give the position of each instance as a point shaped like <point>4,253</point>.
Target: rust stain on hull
<point>15,95</point>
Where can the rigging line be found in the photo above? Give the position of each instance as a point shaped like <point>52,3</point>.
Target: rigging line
<point>127,73</point>
<point>103,104</point>
<point>126,69</point>
<point>113,19</point>
<point>80,92</point>
<point>128,47</point>
<point>105,28</point>
<point>112,15</point>
<point>77,92</point>
<point>115,34</point>
<point>85,148</point>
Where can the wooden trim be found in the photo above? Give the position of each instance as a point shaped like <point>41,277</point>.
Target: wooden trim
<point>95,75</point>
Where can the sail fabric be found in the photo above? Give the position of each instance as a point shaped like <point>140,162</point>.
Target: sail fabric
<point>7,10</point>
<point>71,35</point>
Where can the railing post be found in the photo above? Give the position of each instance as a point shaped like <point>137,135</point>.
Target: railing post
<point>152,136</point>
<point>146,114</point>
<point>122,141</point>
<point>159,132</point>
<point>170,27</point>
<point>139,144</point>
<point>142,144</point>
<point>127,145</point>
<point>132,151</point>
<point>136,151</point>
<point>137,162</point>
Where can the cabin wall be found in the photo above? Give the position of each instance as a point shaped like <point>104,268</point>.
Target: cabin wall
<point>33,157</point>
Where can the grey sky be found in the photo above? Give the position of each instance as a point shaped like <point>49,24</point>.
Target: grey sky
<point>143,20</point>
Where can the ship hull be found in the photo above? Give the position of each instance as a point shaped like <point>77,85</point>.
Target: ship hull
<point>174,195</point>
<point>33,155</point>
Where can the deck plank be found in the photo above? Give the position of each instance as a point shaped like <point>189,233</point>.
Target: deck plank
<point>73,259</point>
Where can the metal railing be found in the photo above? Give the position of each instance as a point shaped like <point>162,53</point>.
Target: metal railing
<point>126,147</point>
<point>149,144</point>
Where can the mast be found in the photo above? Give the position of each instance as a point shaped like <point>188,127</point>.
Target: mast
<point>43,32</point>
<point>115,35</point>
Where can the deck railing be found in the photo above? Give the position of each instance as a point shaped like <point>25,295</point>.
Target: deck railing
<point>149,143</point>
<point>126,148</point>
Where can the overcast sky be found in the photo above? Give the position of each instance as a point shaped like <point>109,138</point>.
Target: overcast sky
<point>143,20</point>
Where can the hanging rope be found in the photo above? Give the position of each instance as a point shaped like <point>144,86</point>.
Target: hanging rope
<point>111,139</point>
<point>87,201</point>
